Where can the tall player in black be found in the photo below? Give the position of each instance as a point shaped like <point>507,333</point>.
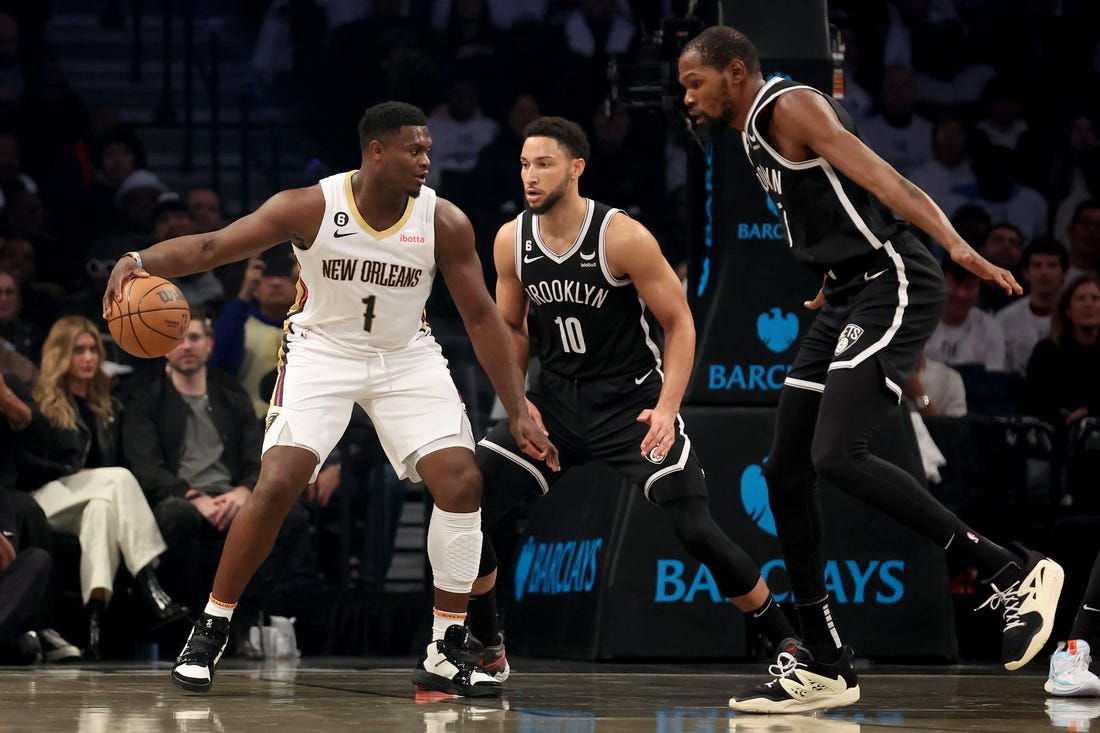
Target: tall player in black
<point>881,298</point>
<point>596,286</point>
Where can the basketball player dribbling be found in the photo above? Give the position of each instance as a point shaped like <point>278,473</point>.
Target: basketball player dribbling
<point>881,297</point>
<point>368,243</point>
<point>597,292</point>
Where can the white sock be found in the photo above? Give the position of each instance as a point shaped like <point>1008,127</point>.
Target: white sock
<point>443,620</point>
<point>216,608</point>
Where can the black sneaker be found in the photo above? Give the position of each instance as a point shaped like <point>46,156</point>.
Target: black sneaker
<point>194,668</point>
<point>1027,592</point>
<point>55,648</point>
<point>449,666</point>
<point>801,683</point>
<point>491,658</point>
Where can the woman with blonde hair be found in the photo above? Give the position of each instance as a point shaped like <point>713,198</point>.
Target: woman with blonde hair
<point>72,453</point>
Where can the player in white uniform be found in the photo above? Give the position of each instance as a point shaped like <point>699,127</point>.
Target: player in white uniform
<point>368,242</point>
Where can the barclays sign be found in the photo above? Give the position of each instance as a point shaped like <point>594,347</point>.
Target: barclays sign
<point>553,568</point>
<point>777,331</point>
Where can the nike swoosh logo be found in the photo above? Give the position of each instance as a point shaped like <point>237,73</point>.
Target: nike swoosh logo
<point>868,277</point>
<point>642,378</point>
<point>528,260</point>
<point>589,256</point>
<point>342,234</point>
<point>1087,607</point>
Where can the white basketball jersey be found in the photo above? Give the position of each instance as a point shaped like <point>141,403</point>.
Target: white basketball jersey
<point>362,289</point>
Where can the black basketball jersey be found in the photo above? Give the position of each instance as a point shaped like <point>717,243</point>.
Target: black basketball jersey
<point>828,218</point>
<point>584,322</point>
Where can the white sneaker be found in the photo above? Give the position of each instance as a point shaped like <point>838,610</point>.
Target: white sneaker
<point>448,666</point>
<point>1069,671</point>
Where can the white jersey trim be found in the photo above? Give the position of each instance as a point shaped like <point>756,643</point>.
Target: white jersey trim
<point>601,246</point>
<point>519,461</point>
<point>678,466</point>
<point>757,106</point>
<point>899,314</point>
<point>588,213</point>
<point>846,202</point>
<point>804,384</point>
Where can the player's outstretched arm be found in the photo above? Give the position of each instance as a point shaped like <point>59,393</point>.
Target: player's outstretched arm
<point>457,258</point>
<point>293,215</point>
<point>804,120</point>
<point>632,250</point>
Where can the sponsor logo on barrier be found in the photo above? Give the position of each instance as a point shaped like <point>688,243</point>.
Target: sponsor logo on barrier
<point>754,498</point>
<point>777,331</point>
<point>848,581</point>
<point>553,568</point>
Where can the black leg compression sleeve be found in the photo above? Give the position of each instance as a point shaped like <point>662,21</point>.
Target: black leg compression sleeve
<point>793,493</point>
<point>732,568</point>
<point>855,403</point>
<point>1086,623</point>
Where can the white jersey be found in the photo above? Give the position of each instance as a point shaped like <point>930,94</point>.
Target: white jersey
<point>361,289</point>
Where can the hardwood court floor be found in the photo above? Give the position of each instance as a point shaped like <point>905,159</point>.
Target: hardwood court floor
<point>321,695</point>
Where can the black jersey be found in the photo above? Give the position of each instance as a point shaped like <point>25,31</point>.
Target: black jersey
<point>828,218</point>
<point>585,323</point>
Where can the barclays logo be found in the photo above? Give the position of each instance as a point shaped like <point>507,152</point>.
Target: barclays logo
<point>754,498</point>
<point>776,330</point>
<point>553,568</point>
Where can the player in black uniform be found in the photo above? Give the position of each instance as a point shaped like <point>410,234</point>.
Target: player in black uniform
<point>881,298</point>
<point>596,285</point>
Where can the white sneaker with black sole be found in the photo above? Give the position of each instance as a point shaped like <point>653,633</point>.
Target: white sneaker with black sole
<point>449,666</point>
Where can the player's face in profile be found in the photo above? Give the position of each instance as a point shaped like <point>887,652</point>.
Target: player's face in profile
<point>544,169</point>
<point>406,158</point>
<point>706,90</point>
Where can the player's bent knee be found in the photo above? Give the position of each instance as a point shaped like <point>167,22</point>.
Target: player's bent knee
<point>454,549</point>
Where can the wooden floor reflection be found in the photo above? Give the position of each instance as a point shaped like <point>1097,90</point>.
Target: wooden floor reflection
<point>545,697</point>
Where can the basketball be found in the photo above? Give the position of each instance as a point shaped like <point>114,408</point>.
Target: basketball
<point>151,318</point>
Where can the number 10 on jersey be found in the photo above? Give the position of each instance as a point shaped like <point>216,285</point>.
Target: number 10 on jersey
<point>572,337</point>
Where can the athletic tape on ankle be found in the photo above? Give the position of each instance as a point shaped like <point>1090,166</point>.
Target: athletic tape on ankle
<point>223,604</point>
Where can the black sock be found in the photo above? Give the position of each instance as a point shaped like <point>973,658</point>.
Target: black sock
<point>771,623</point>
<point>482,617</point>
<point>1086,623</point>
<point>967,548</point>
<point>818,631</point>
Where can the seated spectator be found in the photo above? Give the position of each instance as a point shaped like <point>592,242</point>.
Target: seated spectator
<point>23,523</point>
<point>205,206</point>
<point>70,452</point>
<point>899,136</point>
<point>1026,321</point>
<point>195,443</point>
<point>1062,385</point>
<point>22,336</point>
<point>172,219</point>
<point>1004,247</point>
<point>1075,170</point>
<point>249,331</point>
<point>965,334</point>
<point>935,389</point>
<point>1000,192</point>
<point>1084,240</point>
<point>24,582</point>
<point>950,163</point>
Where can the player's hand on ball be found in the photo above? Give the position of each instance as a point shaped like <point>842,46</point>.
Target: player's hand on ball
<point>125,268</point>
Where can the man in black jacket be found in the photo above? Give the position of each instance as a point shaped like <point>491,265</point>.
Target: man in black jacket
<point>193,440</point>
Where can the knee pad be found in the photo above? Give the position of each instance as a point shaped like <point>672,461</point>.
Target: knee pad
<point>454,549</point>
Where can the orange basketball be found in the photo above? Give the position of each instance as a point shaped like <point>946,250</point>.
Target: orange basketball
<point>151,318</point>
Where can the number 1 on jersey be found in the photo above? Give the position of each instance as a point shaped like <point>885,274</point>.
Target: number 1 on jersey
<point>572,337</point>
<point>368,312</point>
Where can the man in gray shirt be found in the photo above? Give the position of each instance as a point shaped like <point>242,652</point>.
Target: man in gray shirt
<point>194,442</point>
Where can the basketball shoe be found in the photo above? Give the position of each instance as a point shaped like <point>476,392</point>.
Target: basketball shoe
<point>1027,592</point>
<point>194,668</point>
<point>801,683</point>
<point>1069,671</point>
<point>791,724</point>
<point>449,666</point>
<point>491,658</point>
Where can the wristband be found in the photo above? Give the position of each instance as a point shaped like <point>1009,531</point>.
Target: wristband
<point>136,256</point>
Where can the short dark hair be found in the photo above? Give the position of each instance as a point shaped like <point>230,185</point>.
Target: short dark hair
<point>569,134</point>
<point>1088,204</point>
<point>1045,246</point>
<point>387,118</point>
<point>718,45</point>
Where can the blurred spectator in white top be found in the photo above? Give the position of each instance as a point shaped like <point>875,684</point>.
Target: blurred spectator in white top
<point>460,131</point>
<point>947,76</point>
<point>1026,321</point>
<point>949,166</point>
<point>599,28</point>
<point>897,134</point>
<point>1070,184</point>
<point>966,334</point>
<point>935,390</point>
